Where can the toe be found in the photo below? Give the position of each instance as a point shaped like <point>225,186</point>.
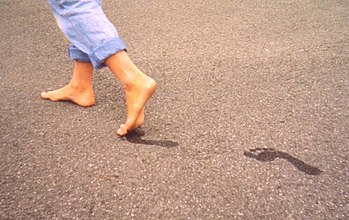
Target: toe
<point>122,131</point>
<point>44,95</point>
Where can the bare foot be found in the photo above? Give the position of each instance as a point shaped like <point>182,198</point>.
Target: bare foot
<point>136,97</point>
<point>82,97</point>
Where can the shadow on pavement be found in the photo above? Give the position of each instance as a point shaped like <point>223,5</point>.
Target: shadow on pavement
<point>270,154</point>
<point>135,137</point>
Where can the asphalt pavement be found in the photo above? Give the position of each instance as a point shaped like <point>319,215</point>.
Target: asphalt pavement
<point>250,120</point>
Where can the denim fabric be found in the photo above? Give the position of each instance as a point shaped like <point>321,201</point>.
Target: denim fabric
<point>93,37</point>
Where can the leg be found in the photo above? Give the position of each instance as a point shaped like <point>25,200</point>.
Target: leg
<point>138,89</point>
<point>79,90</point>
<point>86,26</point>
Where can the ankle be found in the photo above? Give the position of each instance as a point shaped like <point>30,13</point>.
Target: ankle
<point>80,86</point>
<point>130,81</point>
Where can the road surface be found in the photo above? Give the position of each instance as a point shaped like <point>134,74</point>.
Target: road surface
<point>250,120</point>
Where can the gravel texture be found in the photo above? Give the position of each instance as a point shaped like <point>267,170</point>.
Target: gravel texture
<point>250,120</point>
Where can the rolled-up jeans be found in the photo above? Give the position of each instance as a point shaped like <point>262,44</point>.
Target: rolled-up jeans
<point>93,37</point>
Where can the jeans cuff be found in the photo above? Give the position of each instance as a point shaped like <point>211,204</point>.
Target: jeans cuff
<point>107,49</point>
<point>76,54</point>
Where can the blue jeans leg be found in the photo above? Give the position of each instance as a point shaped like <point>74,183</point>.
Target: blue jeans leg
<point>88,29</point>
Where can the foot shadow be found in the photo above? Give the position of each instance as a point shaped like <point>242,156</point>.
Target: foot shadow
<point>270,154</point>
<point>135,137</point>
